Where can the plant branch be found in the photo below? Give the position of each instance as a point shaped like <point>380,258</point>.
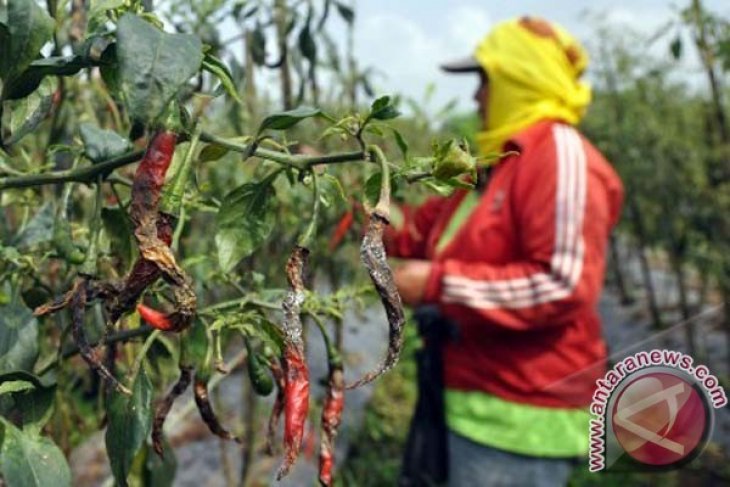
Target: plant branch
<point>382,208</point>
<point>83,175</point>
<point>291,160</point>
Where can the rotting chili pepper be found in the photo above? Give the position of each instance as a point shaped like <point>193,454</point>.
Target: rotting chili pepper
<point>146,193</point>
<point>200,392</point>
<point>163,408</point>
<point>143,274</point>
<point>374,258</point>
<point>155,319</point>
<point>334,403</point>
<point>278,408</point>
<point>296,372</point>
<point>343,226</point>
<point>78,313</point>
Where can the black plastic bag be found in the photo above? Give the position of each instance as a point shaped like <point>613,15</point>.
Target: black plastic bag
<point>426,460</point>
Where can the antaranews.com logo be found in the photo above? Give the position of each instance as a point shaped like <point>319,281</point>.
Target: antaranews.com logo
<point>653,410</point>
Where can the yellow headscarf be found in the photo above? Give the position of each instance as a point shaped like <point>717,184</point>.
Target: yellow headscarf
<point>534,69</point>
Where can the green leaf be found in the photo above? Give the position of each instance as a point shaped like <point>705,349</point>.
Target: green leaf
<point>35,407</point>
<point>216,67</point>
<point>130,421</point>
<point>153,66</point>
<point>29,460</point>
<point>212,152</point>
<point>307,46</point>
<point>402,144</point>
<point>676,47</point>
<point>29,27</point>
<point>383,109</point>
<point>27,113</point>
<point>29,80</point>
<point>118,229</point>
<point>18,334</point>
<point>245,220</point>
<point>98,9</point>
<point>101,144</point>
<point>157,471</point>
<point>345,12</point>
<point>11,386</point>
<point>258,45</point>
<point>285,120</point>
<point>39,229</point>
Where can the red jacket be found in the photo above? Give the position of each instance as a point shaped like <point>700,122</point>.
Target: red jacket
<point>523,275</point>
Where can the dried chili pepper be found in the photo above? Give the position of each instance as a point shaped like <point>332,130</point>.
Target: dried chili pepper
<point>296,372</point>
<point>278,408</point>
<point>200,392</point>
<point>186,375</point>
<point>78,313</point>
<point>334,403</point>
<point>375,260</point>
<point>143,274</point>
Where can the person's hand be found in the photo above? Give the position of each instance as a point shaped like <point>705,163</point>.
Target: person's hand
<point>410,279</point>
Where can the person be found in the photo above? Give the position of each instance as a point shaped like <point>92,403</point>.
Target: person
<point>518,265</point>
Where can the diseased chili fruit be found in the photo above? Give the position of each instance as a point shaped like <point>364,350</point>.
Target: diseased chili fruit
<point>374,258</point>
<point>334,404</point>
<point>200,392</point>
<point>296,372</point>
<point>163,409</point>
<point>144,273</point>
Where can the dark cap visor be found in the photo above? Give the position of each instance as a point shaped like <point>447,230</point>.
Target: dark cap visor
<point>463,65</point>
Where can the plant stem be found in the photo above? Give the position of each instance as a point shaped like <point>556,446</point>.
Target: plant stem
<point>83,175</point>
<point>306,239</point>
<point>291,160</point>
<point>382,208</point>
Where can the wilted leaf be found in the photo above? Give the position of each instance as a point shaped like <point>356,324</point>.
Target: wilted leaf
<point>153,65</point>
<point>245,220</point>
<point>101,144</point>
<point>130,421</point>
<point>29,460</point>
<point>29,80</point>
<point>27,113</point>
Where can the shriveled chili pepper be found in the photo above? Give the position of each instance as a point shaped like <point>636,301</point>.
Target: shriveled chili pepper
<point>296,372</point>
<point>200,392</point>
<point>163,408</point>
<point>143,274</point>
<point>375,260</point>
<point>146,190</point>
<point>261,380</point>
<point>78,313</point>
<point>278,408</point>
<point>334,403</point>
<point>154,318</point>
<point>343,226</point>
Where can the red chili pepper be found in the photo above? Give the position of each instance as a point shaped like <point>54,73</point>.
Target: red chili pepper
<point>334,404</point>
<point>296,372</point>
<point>343,226</point>
<point>296,405</point>
<point>150,177</point>
<point>156,319</point>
